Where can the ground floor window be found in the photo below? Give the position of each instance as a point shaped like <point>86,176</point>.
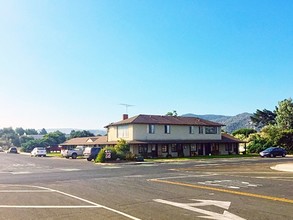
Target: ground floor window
<point>193,150</point>
<point>193,147</point>
<point>142,149</point>
<point>228,147</point>
<point>173,148</point>
<point>164,149</point>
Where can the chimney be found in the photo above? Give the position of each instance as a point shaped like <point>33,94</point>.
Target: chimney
<point>125,116</point>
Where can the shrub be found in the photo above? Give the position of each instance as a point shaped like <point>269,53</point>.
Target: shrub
<point>259,144</point>
<point>130,156</point>
<point>101,158</point>
<point>122,146</point>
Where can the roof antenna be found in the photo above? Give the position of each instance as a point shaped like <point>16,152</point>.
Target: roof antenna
<point>126,106</point>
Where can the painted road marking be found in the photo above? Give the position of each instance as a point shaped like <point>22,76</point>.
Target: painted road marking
<point>20,173</point>
<point>44,189</point>
<point>231,184</point>
<point>209,214</point>
<point>68,169</point>
<point>183,176</point>
<point>112,167</point>
<point>225,191</point>
<point>134,176</point>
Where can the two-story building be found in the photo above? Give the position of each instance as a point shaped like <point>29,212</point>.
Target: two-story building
<point>172,136</point>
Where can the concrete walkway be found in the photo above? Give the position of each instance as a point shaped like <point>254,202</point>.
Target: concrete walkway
<point>288,167</point>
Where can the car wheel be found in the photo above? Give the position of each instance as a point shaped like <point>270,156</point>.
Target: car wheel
<point>283,155</point>
<point>89,159</point>
<point>74,156</point>
<point>272,155</point>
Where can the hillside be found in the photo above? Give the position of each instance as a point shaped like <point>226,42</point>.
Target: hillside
<point>232,122</point>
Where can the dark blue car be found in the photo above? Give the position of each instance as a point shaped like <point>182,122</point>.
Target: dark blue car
<point>91,153</point>
<point>273,152</point>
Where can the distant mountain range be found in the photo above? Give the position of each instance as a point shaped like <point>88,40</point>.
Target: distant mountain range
<point>232,122</point>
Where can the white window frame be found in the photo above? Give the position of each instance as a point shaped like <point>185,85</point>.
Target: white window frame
<point>200,129</point>
<point>167,129</point>
<point>151,128</point>
<point>191,129</point>
<point>211,130</point>
<point>122,131</point>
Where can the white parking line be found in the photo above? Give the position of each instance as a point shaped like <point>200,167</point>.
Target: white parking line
<point>112,167</point>
<point>44,207</point>
<point>182,177</point>
<point>20,173</point>
<point>48,190</point>
<point>72,169</point>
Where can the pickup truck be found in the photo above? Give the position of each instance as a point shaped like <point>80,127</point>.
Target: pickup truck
<point>73,153</point>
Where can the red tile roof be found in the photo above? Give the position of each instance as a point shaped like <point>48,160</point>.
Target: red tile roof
<point>166,120</point>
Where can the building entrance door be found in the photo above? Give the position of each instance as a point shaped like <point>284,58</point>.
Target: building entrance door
<point>208,149</point>
<point>180,150</point>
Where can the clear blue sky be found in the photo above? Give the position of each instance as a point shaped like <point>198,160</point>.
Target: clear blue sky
<point>71,63</point>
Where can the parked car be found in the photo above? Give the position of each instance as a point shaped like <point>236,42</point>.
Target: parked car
<point>73,153</point>
<point>91,153</point>
<point>273,152</point>
<point>39,152</point>
<point>12,150</point>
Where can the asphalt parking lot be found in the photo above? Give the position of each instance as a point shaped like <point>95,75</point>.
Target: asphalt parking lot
<point>49,188</point>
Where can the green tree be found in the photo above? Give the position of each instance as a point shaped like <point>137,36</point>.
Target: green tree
<point>271,133</point>
<point>84,133</point>
<point>25,139</point>
<point>258,143</point>
<point>174,113</point>
<point>30,145</point>
<point>43,131</point>
<point>263,118</point>
<point>244,131</point>
<point>286,140</point>
<point>20,131</point>
<point>10,137</point>
<point>284,116</point>
<point>31,131</point>
<point>54,138</point>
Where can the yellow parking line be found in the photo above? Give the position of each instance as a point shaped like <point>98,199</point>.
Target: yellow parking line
<point>225,191</point>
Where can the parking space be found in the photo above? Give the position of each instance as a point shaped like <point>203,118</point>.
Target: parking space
<point>35,202</point>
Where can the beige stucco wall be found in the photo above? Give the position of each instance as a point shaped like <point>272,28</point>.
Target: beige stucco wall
<point>140,132</point>
<point>113,131</point>
<point>177,133</point>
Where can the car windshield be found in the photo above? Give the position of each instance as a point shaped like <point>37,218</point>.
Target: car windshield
<point>269,149</point>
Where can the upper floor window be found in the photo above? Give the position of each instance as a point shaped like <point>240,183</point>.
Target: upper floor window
<point>211,130</point>
<point>191,129</point>
<point>151,129</point>
<point>122,131</point>
<point>200,130</point>
<point>167,129</point>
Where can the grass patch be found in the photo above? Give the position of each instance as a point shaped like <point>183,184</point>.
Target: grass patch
<point>55,154</point>
<point>199,158</point>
